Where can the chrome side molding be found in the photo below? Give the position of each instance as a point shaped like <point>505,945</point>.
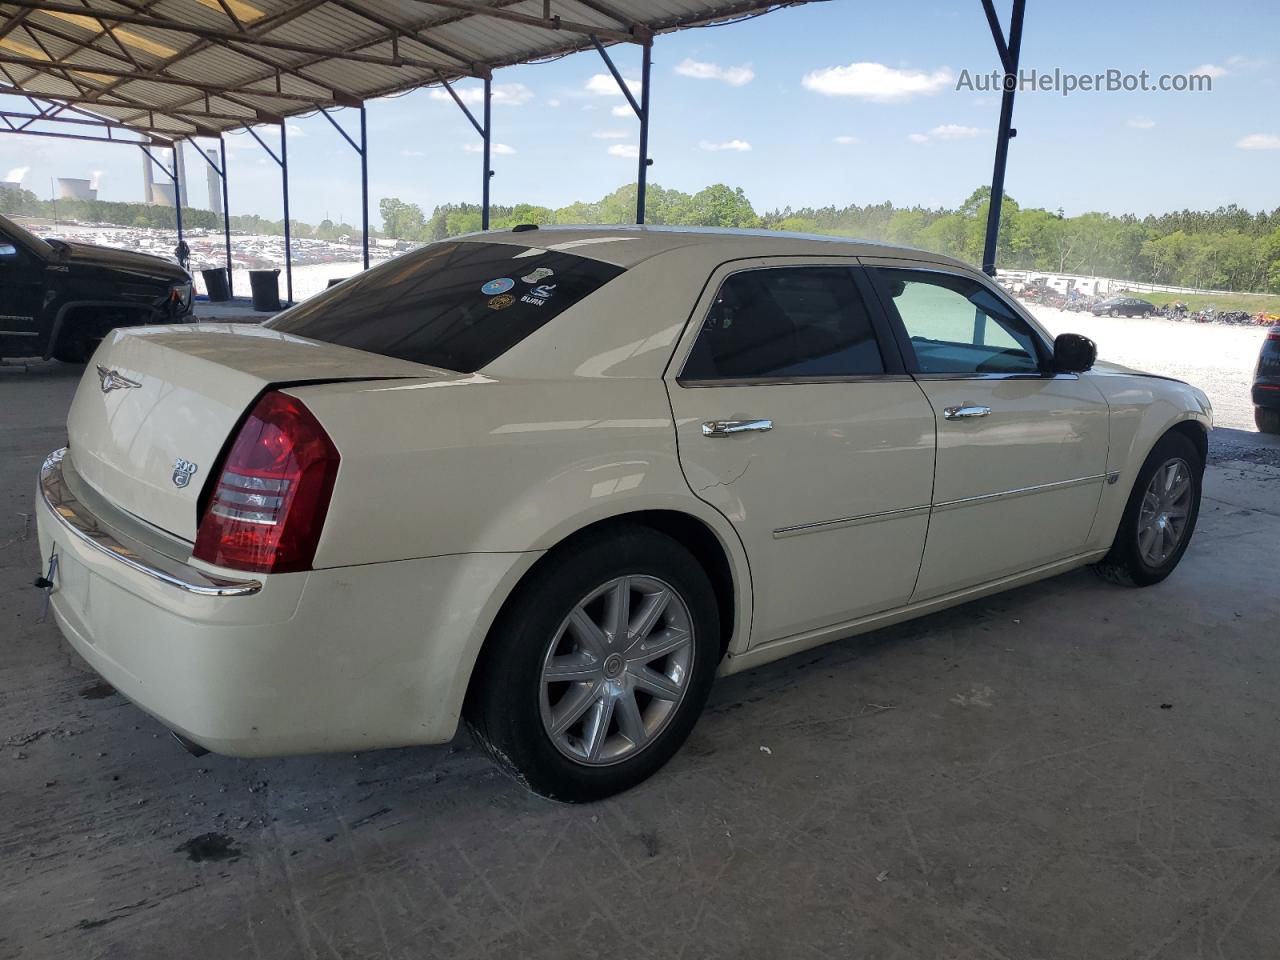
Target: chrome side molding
<point>82,524</point>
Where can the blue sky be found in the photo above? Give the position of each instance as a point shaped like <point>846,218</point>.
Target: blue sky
<point>831,103</point>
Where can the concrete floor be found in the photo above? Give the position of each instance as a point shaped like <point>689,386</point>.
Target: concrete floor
<point>1068,770</point>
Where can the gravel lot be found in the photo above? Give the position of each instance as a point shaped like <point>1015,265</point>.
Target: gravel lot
<point>1220,360</point>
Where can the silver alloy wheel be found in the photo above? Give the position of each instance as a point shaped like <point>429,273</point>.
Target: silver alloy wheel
<point>617,670</point>
<point>1165,510</point>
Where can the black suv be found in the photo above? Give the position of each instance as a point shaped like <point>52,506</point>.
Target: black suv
<point>58,299</point>
<point>1124,307</point>
<point>1266,385</point>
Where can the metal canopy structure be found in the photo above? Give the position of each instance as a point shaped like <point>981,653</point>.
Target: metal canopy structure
<point>150,73</point>
<point>179,68</point>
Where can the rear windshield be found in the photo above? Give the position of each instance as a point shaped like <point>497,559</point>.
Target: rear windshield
<point>457,305</point>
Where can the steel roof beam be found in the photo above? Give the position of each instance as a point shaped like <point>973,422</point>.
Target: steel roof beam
<point>634,35</point>
<point>230,37</point>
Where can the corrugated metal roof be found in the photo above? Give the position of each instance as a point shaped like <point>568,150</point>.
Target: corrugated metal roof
<point>173,68</point>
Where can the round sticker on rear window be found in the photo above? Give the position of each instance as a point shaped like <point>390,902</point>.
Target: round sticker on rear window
<point>501,285</point>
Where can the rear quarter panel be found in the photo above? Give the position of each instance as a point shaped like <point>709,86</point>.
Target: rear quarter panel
<point>478,465</point>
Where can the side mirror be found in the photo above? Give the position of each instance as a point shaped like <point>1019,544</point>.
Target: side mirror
<point>1073,353</point>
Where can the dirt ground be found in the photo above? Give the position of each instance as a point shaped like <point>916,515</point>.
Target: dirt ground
<point>1218,359</point>
<point>1068,770</point>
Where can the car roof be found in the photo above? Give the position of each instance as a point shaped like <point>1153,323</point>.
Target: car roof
<point>625,246</point>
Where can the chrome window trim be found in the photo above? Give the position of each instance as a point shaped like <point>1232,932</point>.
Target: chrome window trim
<point>843,522</point>
<point>958,375</point>
<point>770,381</point>
<point>78,521</point>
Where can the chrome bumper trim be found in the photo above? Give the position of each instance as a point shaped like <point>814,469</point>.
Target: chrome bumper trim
<point>73,516</point>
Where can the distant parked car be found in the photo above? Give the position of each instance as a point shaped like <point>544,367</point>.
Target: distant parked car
<point>1124,307</point>
<point>60,298</point>
<point>1266,384</point>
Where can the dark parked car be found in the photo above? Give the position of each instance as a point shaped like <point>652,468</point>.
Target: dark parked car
<point>58,299</point>
<point>1266,384</point>
<point>1124,307</point>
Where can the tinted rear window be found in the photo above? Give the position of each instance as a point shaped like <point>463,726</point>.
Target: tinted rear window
<point>452,305</point>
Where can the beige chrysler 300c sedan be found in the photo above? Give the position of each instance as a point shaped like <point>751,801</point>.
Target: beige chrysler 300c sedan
<point>554,481</point>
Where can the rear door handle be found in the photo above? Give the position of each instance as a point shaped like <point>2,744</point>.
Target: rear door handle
<point>966,412</point>
<point>727,428</point>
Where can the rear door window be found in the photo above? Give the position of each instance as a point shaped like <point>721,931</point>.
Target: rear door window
<point>457,305</point>
<point>784,323</point>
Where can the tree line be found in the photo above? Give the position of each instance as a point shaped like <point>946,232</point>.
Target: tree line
<point>1229,248</point>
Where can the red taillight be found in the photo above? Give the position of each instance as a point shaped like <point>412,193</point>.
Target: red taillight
<point>269,505</point>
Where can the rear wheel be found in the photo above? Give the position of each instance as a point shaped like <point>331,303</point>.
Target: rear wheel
<point>1160,516</point>
<point>1267,419</point>
<point>597,671</point>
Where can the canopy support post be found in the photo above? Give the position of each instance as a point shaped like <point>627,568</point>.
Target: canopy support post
<point>1008,51</point>
<point>488,128</point>
<point>226,217</point>
<point>641,111</point>
<point>221,171</point>
<point>363,151</point>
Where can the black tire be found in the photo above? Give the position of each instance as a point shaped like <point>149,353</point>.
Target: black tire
<point>504,704</point>
<point>80,338</point>
<point>75,349</point>
<point>1124,564</point>
<point>1267,419</point>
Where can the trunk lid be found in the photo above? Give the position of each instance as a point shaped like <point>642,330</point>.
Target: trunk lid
<point>156,406</point>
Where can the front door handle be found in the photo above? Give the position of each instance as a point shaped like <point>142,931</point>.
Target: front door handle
<point>966,412</point>
<point>727,428</point>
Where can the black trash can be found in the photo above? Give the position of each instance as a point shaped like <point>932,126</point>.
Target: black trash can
<point>215,281</point>
<point>266,289</point>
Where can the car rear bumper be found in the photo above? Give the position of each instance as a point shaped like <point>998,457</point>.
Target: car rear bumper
<point>1266,393</point>
<point>340,659</point>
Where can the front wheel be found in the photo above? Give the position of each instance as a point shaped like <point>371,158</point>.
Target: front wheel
<point>599,667</point>
<point>1267,419</point>
<point>1160,516</point>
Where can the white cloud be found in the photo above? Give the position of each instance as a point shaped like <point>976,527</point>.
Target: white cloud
<point>734,76</point>
<point>1248,64</point>
<point>413,153</point>
<point>16,174</point>
<point>294,130</point>
<point>1210,69</point>
<point>553,103</point>
<point>737,146</point>
<point>946,131</point>
<point>623,110</point>
<point>610,134</point>
<point>954,131</point>
<point>877,82</point>
<point>498,149</point>
<point>506,94</point>
<point>624,150</point>
<point>844,140</point>
<point>1259,141</point>
<point>603,85</point>
<point>1141,123</point>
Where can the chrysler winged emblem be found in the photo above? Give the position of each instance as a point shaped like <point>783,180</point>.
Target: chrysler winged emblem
<point>112,380</point>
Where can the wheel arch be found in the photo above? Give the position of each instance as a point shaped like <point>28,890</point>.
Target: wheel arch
<point>729,583</point>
